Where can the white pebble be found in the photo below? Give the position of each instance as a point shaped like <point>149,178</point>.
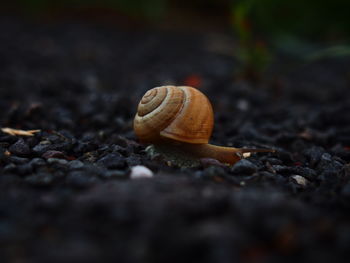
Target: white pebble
<point>300,180</point>
<point>140,171</point>
<point>242,105</point>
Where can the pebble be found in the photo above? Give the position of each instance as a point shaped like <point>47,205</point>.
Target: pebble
<point>36,162</point>
<point>314,154</point>
<point>58,161</point>
<point>10,167</point>
<point>305,172</point>
<point>41,148</point>
<point>53,154</point>
<point>80,179</point>
<point>114,174</point>
<point>112,161</point>
<point>140,171</point>
<point>40,179</point>
<point>133,160</point>
<point>75,164</point>
<point>18,160</point>
<point>206,162</point>
<point>20,148</point>
<point>213,171</point>
<point>85,147</point>
<point>120,149</point>
<point>300,180</point>
<point>244,167</point>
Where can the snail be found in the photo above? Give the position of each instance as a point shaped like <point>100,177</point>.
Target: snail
<point>182,117</point>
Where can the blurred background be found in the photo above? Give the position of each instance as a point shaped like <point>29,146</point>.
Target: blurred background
<point>306,30</point>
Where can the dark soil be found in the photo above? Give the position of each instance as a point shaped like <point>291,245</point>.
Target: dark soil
<point>66,194</point>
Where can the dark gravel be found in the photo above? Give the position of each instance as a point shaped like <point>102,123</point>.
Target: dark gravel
<point>66,194</point>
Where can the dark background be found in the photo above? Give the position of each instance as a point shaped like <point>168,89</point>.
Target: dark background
<point>277,74</point>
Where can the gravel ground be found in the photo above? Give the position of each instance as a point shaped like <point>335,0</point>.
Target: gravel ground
<point>68,194</point>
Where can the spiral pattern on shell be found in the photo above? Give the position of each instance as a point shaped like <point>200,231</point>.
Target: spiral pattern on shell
<point>180,113</point>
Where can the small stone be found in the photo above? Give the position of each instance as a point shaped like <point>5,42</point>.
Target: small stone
<point>213,171</point>
<point>18,160</point>
<point>76,164</point>
<point>42,147</point>
<point>20,148</point>
<point>300,180</point>
<point>80,179</point>
<point>54,154</point>
<point>120,149</point>
<point>305,172</point>
<point>140,171</point>
<point>37,162</point>
<point>326,157</point>
<point>206,162</point>
<point>244,167</point>
<point>10,167</point>
<point>282,169</point>
<point>242,105</point>
<point>109,174</point>
<point>58,161</point>
<point>133,160</point>
<point>314,154</point>
<point>40,179</point>
<point>112,161</point>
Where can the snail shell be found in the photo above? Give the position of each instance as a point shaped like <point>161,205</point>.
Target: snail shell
<point>180,113</point>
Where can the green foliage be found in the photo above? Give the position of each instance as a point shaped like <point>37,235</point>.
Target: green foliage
<point>310,19</point>
<point>290,26</point>
<point>252,52</point>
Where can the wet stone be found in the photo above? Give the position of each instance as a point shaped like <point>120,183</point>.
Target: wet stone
<point>53,154</point>
<point>41,148</point>
<point>282,169</point>
<point>306,172</point>
<point>271,160</point>
<point>40,179</point>
<point>115,174</point>
<point>18,160</point>
<point>37,162</point>
<point>57,161</point>
<point>120,149</point>
<point>75,164</point>
<point>212,171</point>
<point>20,148</point>
<point>112,161</point>
<point>10,167</point>
<point>302,181</point>
<point>85,147</point>
<point>314,155</point>
<point>80,179</point>
<point>244,167</point>
<point>133,160</point>
<point>8,139</point>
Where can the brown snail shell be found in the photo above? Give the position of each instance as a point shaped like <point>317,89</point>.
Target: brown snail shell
<point>183,117</point>
<point>180,113</point>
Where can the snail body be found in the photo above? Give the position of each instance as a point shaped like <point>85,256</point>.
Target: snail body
<point>182,116</point>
